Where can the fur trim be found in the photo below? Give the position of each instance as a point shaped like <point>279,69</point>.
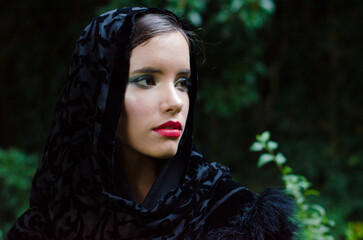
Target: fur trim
<point>268,217</point>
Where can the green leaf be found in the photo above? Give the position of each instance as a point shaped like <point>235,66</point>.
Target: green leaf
<point>268,5</point>
<point>312,221</point>
<point>236,5</point>
<point>332,224</point>
<point>265,136</point>
<point>280,159</point>
<point>287,170</point>
<point>195,18</point>
<point>272,145</point>
<point>319,209</point>
<point>222,16</point>
<point>198,5</point>
<point>256,146</point>
<point>258,137</point>
<point>265,158</point>
<point>311,192</point>
<point>303,182</point>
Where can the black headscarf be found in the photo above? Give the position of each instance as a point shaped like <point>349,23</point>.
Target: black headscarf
<point>78,191</point>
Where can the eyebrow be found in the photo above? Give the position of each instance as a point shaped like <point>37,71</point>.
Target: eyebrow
<point>184,72</point>
<point>155,70</point>
<point>147,70</point>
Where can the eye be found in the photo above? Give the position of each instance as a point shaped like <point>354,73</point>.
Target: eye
<point>143,81</point>
<point>183,84</point>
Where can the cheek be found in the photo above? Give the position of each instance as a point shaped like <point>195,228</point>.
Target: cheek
<point>138,109</point>
<point>135,107</point>
<point>185,109</point>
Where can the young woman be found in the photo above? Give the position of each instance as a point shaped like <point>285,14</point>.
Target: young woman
<point>120,162</point>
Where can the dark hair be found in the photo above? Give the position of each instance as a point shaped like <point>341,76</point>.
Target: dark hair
<point>152,24</point>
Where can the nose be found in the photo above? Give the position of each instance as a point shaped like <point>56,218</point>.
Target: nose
<point>171,100</point>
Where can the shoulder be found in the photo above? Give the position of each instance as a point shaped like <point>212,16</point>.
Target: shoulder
<point>32,224</point>
<point>237,213</point>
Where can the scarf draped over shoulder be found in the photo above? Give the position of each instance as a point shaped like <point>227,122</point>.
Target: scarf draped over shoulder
<point>76,190</point>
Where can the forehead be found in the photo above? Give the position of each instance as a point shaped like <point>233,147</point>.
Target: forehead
<point>163,50</point>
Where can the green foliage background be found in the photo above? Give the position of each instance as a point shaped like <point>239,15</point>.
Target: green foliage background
<point>293,67</point>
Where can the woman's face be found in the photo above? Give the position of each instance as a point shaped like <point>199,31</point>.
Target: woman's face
<point>156,100</point>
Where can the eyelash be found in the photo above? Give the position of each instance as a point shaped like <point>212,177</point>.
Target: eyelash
<point>145,78</point>
<point>136,81</point>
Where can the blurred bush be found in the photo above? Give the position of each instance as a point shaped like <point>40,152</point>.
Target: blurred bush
<point>16,173</point>
<point>293,67</point>
<point>313,220</point>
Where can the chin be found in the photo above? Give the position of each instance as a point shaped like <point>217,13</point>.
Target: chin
<point>165,153</point>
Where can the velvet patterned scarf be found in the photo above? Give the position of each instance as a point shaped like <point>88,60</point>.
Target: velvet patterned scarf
<point>75,189</point>
<point>79,192</point>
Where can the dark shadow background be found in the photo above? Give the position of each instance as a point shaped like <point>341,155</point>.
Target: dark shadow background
<point>291,67</point>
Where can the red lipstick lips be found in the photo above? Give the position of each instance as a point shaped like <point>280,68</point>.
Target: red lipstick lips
<point>169,129</point>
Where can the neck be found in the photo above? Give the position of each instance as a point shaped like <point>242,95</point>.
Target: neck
<point>140,171</point>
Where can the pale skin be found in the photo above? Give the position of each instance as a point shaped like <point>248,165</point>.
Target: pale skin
<point>156,93</point>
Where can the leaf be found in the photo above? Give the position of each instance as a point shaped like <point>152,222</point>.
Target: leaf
<point>319,209</point>
<point>287,170</point>
<point>272,145</point>
<point>311,192</point>
<point>268,5</point>
<point>236,5</point>
<point>265,136</point>
<point>258,137</point>
<point>280,159</point>
<point>256,146</point>
<point>195,18</point>
<point>303,182</point>
<point>265,158</point>
<point>312,221</point>
<point>197,5</point>
<point>332,223</point>
<point>222,16</point>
